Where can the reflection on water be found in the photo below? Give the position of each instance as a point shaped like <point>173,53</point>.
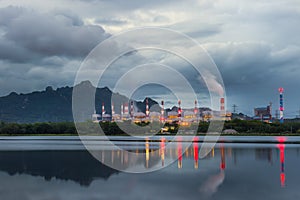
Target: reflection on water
<point>228,172</point>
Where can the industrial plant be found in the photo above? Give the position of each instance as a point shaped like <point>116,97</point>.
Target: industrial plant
<point>186,116</point>
<point>177,115</point>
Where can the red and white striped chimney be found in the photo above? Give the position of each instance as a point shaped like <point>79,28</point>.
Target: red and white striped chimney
<point>179,108</point>
<point>126,110</point>
<point>147,108</point>
<point>112,108</point>
<point>122,110</point>
<point>222,104</point>
<point>196,108</point>
<point>103,109</point>
<point>162,111</point>
<point>131,109</point>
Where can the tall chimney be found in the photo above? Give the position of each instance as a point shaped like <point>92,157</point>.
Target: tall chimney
<point>122,110</point>
<point>196,108</point>
<point>147,108</point>
<point>162,112</point>
<point>222,104</point>
<point>112,108</point>
<point>126,110</point>
<point>131,109</point>
<point>103,109</point>
<point>179,108</point>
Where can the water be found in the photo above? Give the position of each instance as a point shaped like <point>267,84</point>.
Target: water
<point>238,168</point>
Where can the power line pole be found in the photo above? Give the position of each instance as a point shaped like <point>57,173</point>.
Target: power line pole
<point>234,108</point>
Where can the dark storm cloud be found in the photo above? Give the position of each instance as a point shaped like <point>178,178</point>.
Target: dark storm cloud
<point>251,63</point>
<point>27,34</point>
<point>255,44</point>
<point>252,72</point>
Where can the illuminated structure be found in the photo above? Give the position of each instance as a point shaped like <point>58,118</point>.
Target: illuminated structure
<point>147,108</point>
<point>139,117</point>
<point>122,110</point>
<point>207,115</point>
<point>183,117</point>
<point>222,105</point>
<point>196,108</point>
<point>125,115</point>
<point>112,108</point>
<point>131,109</point>
<point>115,117</point>
<point>281,108</point>
<point>179,108</point>
<point>154,116</point>
<point>172,117</point>
<point>103,109</point>
<point>162,112</point>
<point>105,116</point>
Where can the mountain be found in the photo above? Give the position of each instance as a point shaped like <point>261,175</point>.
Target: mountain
<point>56,105</point>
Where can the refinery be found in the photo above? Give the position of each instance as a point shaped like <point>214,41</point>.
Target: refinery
<point>178,115</point>
<point>182,116</point>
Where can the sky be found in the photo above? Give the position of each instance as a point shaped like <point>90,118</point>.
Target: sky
<point>254,44</point>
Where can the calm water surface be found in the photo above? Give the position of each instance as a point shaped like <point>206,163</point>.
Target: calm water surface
<point>60,168</point>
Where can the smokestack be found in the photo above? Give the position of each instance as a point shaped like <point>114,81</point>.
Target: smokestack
<point>122,110</point>
<point>179,108</point>
<point>126,110</point>
<point>162,112</point>
<point>131,109</point>
<point>147,108</point>
<point>222,104</point>
<point>281,108</point>
<point>196,108</point>
<point>112,108</point>
<point>103,110</point>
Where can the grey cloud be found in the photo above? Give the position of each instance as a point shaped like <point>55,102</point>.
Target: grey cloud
<point>252,72</point>
<point>46,35</point>
<point>114,22</point>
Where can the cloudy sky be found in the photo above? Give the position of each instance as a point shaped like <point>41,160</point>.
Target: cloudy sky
<point>255,44</point>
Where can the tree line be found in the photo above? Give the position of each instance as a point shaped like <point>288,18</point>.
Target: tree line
<point>121,128</point>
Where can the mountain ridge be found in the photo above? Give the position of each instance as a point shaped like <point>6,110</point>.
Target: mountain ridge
<point>51,105</point>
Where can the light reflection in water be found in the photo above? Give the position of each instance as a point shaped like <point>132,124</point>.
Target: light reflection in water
<point>281,147</point>
<point>155,155</point>
<point>222,158</point>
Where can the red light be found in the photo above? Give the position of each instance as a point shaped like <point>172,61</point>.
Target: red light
<point>280,90</point>
<point>196,148</point>
<point>222,166</point>
<point>282,179</point>
<point>281,139</point>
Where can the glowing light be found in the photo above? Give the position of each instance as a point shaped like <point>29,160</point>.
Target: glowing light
<point>281,139</point>
<point>179,153</point>
<point>222,165</point>
<point>196,152</point>
<point>162,150</point>
<point>281,148</point>
<point>280,90</point>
